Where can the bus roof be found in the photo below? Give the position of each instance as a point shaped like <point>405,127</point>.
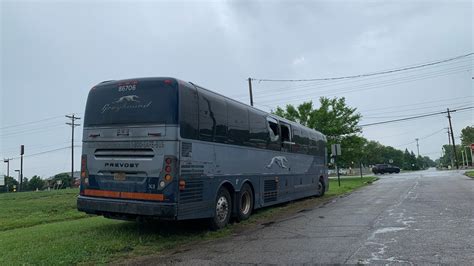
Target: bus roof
<point>109,82</point>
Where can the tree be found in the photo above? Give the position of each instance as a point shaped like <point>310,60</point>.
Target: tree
<point>10,183</point>
<point>35,183</point>
<point>467,136</point>
<point>65,178</point>
<point>334,119</point>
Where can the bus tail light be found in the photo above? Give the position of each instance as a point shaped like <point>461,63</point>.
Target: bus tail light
<point>84,172</point>
<point>182,184</point>
<point>168,167</point>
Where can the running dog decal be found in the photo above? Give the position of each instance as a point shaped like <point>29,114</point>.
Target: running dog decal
<point>279,160</point>
<point>128,98</point>
<point>127,102</point>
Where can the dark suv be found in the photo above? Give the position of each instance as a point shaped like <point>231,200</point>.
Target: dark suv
<point>385,168</point>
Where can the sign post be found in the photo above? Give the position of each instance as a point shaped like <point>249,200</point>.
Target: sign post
<point>472,158</point>
<point>336,151</point>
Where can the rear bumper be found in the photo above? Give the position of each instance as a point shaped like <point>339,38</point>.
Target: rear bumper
<point>105,206</point>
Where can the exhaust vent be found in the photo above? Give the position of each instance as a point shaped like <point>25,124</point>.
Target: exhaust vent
<point>124,153</point>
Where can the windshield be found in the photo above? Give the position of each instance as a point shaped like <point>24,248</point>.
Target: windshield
<point>133,102</point>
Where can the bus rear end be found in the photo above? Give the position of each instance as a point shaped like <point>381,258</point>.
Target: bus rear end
<point>130,150</point>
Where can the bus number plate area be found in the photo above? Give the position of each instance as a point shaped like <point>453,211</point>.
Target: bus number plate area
<point>120,176</point>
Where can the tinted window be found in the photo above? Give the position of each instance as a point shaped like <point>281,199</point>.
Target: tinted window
<point>298,140</point>
<point>238,122</point>
<point>304,141</point>
<point>258,129</point>
<point>188,112</point>
<point>212,117</point>
<point>313,144</point>
<point>133,102</point>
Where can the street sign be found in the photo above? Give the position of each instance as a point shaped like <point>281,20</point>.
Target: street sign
<point>336,149</point>
<point>390,161</point>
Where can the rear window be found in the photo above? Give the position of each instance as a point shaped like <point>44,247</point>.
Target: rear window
<point>133,102</point>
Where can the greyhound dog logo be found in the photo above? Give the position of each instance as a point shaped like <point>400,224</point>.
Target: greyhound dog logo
<point>128,102</point>
<point>279,160</point>
<point>128,98</point>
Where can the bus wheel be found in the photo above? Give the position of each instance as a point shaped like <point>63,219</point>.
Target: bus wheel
<point>321,188</point>
<point>222,209</point>
<point>245,203</point>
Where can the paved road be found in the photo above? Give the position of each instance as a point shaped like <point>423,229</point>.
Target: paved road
<point>412,218</point>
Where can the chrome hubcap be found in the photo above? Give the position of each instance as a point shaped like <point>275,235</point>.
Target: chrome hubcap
<point>245,203</point>
<point>320,188</point>
<point>222,208</point>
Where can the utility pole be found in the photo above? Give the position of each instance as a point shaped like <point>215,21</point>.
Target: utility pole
<point>449,142</point>
<point>22,151</point>
<point>250,91</point>
<point>7,161</point>
<point>417,147</point>
<point>18,171</point>
<point>72,124</point>
<point>452,138</point>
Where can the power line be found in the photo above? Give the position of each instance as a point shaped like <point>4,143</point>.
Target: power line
<point>367,74</point>
<point>44,152</point>
<point>413,117</point>
<point>366,86</point>
<point>31,122</point>
<point>464,104</point>
<point>312,86</point>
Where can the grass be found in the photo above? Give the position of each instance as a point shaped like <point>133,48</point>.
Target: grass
<point>470,173</point>
<point>45,228</point>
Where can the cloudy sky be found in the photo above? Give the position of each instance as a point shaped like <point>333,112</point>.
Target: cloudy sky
<point>53,52</point>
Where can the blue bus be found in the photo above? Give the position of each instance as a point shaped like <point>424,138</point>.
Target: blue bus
<point>162,148</point>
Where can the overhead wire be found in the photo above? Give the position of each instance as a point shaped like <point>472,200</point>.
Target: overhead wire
<point>414,117</point>
<point>312,86</point>
<point>364,87</point>
<point>366,74</point>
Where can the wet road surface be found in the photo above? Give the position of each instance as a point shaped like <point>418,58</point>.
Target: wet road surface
<point>408,218</point>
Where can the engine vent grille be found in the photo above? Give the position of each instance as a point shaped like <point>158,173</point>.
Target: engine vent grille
<point>270,191</point>
<point>124,153</point>
<point>193,191</point>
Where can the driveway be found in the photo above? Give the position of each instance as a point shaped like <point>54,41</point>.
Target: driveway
<point>412,218</point>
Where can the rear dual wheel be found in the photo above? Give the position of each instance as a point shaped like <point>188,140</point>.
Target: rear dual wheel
<point>245,203</point>
<point>223,206</point>
<point>222,209</point>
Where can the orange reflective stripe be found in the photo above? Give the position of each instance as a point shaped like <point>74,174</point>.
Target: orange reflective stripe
<point>143,196</point>
<point>123,195</point>
<point>101,193</point>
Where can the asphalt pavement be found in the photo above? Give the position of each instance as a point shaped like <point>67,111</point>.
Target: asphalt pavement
<point>409,218</point>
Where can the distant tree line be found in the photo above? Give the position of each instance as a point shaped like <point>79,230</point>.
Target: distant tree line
<point>59,181</point>
<point>339,122</point>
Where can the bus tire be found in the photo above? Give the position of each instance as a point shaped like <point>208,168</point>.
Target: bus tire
<point>222,209</point>
<point>244,203</point>
<point>321,188</point>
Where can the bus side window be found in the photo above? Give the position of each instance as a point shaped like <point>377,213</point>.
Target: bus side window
<point>313,144</point>
<point>258,136</point>
<point>238,119</point>
<point>188,113</point>
<point>296,139</point>
<point>274,132</point>
<point>212,118</point>
<point>304,141</point>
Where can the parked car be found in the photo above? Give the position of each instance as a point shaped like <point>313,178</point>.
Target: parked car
<point>385,168</point>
